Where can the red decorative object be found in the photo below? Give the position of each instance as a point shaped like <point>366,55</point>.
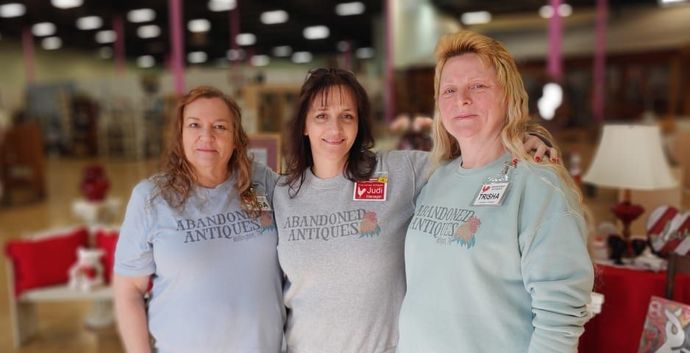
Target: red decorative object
<point>627,212</point>
<point>94,184</point>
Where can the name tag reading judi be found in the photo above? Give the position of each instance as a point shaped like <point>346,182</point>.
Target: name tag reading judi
<point>491,194</point>
<point>371,190</point>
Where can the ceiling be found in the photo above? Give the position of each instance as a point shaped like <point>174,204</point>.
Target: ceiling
<point>357,29</point>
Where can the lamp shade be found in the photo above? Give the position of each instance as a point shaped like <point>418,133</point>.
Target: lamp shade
<point>630,157</point>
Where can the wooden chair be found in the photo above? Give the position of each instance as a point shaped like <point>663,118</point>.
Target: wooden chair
<point>676,264</point>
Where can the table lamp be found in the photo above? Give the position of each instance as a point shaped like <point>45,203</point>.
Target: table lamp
<point>630,157</point>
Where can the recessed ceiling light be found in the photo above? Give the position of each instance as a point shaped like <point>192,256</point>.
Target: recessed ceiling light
<point>349,8</point>
<point>199,25</point>
<point>141,15</point>
<point>51,43</point>
<point>105,52</point>
<point>43,29</point>
<point>670,2</point>
<point>274,17</point>
<point>282,51</point>
<point>221,5</point>
<point>235,54</point>
<point>564,10</point>
<point>301,57</point>
<point>12,10</point>
<point>475,18</point>
<point>146,61</point>
<point>66,4</point>
<point>316,32</point>
<point>107,36</point>
<point>89,22</point>
<point>197,57</point>
<point>365,53</point>
<point>148,31</point>
<point>260,60</point>
<point>245,39</point>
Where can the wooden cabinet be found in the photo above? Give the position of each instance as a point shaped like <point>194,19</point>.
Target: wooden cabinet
<point>268,108</point>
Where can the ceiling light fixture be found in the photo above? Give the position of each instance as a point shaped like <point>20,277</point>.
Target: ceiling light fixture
<point>12,10</point>
<point>146,61</point>
<point>141,15</point>
<point>107,36</point>
<point>245,39</point>
<point>51,43</point>
<point>66,4</point>
<point>274,17</point>
<point>260,60</point>
<point>301,57</point>
<point>148,31</point>
<point>282,51</point>
<point>221,5</point>
<point>199,25</point>
<point>89,22</point>
<point>197,57</point>
<point>43,29</point>
<point>316,32</point>
<point>349,8</point>
<point>475,18</point>
<point>564,10</point>
<point>670,2</point>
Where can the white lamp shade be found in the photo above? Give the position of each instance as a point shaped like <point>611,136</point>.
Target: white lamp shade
<point>630,157</point>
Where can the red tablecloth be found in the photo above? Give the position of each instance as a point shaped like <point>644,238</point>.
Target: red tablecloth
<point>617,329</point>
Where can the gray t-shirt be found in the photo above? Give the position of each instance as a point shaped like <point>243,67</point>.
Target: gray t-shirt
<point>343,259</point>
<point>216,279</point>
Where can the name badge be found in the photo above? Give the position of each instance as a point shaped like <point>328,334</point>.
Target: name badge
<point>263,203</point>
<point>373,189</point>
<point>491,194</point>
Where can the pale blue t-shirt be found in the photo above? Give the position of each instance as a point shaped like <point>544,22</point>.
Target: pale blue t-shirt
<point>510,278</point>
<point>216,279</point>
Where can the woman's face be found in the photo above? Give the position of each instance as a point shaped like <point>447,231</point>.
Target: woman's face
<point>470,99</point>
<point>207,135</point>
<point>331,124</point>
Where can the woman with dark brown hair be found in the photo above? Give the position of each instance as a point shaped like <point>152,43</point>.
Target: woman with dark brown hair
<point>342,211</point>
<point>202,230</point>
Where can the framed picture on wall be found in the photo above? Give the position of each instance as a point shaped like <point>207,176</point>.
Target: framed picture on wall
<point>265,148</point>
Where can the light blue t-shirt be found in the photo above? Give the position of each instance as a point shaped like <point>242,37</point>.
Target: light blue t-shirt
<point>510,278</point>
<point>216,279</point>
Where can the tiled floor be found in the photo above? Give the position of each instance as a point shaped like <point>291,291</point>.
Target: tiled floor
<point>60,325</point>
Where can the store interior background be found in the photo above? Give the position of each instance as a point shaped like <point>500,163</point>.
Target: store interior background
<point>89,110</point>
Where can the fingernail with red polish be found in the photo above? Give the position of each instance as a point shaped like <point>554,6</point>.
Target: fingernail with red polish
<point>514,161</point>
<point>537,158</point>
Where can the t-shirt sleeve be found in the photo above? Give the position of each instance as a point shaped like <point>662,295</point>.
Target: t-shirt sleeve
<point>558,274</point>
<point>266,177</point>
<point>134,251</point>
<point>420,162</point>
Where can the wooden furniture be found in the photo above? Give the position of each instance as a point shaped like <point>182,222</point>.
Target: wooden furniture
<point>22,161</point>
<point>268,107</point>
<point>676,264</point>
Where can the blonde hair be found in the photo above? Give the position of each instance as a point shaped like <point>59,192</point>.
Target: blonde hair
<point>175,182</point>
<point>517,121</point>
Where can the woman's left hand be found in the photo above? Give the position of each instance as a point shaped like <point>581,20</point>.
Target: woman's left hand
<point>541,150</point>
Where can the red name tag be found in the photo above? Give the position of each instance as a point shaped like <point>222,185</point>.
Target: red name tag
<point>371,190</point>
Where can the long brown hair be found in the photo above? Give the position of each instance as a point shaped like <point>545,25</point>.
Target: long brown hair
<point>361,160</point>
<point>177,178</point>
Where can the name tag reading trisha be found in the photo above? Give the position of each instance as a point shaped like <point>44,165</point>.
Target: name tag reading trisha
<point>491,194</point>
<point>371,190</point>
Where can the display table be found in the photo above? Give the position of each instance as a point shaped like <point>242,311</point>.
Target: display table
<point>627,293</point>
<point>96,212</point>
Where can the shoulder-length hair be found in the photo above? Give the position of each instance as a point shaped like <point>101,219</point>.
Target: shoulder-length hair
<point>361,161</point>
<point>177,178</point>
<point>517,120</point>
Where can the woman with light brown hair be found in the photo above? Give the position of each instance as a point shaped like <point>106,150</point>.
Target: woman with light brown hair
<point>202,231</point>
<point>495,255</point>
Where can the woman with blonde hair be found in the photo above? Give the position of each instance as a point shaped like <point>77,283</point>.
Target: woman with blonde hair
<point>495,255</point>
<point>202,230</point>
